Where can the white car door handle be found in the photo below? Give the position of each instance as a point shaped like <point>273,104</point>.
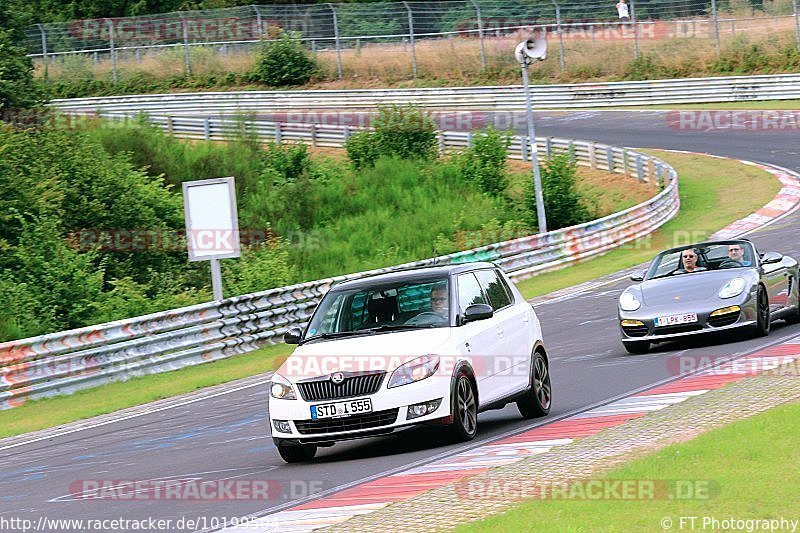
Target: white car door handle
<point>499,332</point>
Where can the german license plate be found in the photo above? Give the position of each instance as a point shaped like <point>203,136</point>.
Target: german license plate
<point>350,407</point>
<point>672,320</point>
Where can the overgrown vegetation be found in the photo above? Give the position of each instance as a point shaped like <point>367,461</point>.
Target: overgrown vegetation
<point>562,202</point>
<point>283,62</point>
<point>405,132</point>
<point>90,217</point>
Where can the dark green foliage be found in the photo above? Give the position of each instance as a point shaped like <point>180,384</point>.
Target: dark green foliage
<point>485,162</point>
<point>18,90</point>
<point>562,202</point>
<point>407,132</point>
<point>362,149</point>
<point>284,62</point>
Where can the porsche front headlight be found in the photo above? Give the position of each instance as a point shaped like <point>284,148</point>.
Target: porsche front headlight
<point>628,302</point>
<point>733,288</point>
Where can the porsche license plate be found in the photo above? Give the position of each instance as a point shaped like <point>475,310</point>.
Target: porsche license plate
<point>672,320</point>
<point>350,407</point>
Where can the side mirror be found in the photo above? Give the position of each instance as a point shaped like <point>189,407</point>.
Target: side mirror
<point>771,257</point>
<point>293,336</point>
<point>478,312</point>
<point>638,275</point>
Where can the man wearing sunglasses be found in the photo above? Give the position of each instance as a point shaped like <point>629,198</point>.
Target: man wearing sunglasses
<point>689,261</point>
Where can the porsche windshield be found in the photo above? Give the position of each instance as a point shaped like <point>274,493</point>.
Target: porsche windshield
<point>403,305</point>
<point>702,258</point>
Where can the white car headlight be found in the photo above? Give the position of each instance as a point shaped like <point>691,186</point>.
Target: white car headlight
<point>733,288</point>
<point>628,302</point>
<point>281,388</point>
<point>415,370</point>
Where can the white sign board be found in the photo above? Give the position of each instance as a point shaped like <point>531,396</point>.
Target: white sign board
<point>212,223</point>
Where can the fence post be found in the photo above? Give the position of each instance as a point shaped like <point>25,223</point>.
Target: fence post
<point>314,134</point>
<point>639,168</point>
<point>571,150</point>
<point>610,158</point>
<point>44,48</point>
<point>113,51</point>
<point>207,128</point>
<point>469,139</point>
<point>523,143</point>
<point>716,24</point>
<point>635,30</point>
<point>548,147</point>
<point>796,23</point>
<point>170,126</point>
<point>480,34</point>
<point>259,27</point>
<point>346,133</point>
<point>411,39</point>
<point>338,44</point>
<point>592,157</point>
<point>278,133</point>
<point>186,45</point>
<point>440,136</point>
<point>560,36</point>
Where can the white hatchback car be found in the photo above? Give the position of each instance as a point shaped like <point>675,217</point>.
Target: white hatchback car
<point>432,345</point>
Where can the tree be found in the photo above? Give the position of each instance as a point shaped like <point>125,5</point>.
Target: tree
<point>18,89</point>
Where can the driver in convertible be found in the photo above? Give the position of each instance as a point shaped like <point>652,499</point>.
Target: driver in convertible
<point>689,261</point>
<point>736,253</point>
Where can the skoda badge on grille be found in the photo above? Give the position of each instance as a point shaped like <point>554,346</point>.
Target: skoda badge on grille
<point>337,378</point>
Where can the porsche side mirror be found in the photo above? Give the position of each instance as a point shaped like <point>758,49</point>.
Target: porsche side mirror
<point>637,275</point>
<point>771,258</point>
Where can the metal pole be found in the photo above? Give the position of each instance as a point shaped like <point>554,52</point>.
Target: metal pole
<point>186,45</point>
<point>796,23</point>
<point>411,38</point>
<point>44,48</point>
<point>113,51</point>
<point>537,179</point>
<point>635,30</point>
<point>336,37</point>
<point>716,24</point>
<point>259,28</point>
<point>480,34</point>
<point>216,280</point>
<point>560,37</point>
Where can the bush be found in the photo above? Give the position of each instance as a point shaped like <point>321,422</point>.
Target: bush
<point>485,162</point>
<point>406,132</point>
<point>562,202</point>
<point>362,149</point>
<point>18,90</point>
<point>284,62</point>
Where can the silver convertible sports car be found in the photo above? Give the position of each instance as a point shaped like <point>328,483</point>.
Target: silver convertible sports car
<point>708,287</point>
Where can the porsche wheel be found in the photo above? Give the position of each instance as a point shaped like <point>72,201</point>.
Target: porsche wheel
<point>762,313</point>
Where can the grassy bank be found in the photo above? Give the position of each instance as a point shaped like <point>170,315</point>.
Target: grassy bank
<point>752,483</point>
<point>699,193</point>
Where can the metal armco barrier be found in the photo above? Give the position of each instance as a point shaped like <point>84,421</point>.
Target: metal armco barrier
<point>501,98</point>
<point>63,362</point>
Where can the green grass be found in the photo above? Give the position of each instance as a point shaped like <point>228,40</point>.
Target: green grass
<point>714,193</point>
<point>708,205</point>
<point>756,479</point>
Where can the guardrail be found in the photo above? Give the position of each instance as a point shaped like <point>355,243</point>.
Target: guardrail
<point>500,98</point>
<point>64,362</point>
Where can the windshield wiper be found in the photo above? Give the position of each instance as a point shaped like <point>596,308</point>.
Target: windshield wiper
<point>397,327</point>
<point>336,334</point>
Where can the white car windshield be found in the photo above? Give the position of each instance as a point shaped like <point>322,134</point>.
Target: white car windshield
<point>402,305</point>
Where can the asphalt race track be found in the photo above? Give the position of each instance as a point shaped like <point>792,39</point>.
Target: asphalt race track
<point>226,437</point>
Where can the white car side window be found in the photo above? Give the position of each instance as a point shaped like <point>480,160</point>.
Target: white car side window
<point>469,292</point>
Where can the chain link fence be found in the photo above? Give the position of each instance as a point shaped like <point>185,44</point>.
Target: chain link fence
<point>343,28</point>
